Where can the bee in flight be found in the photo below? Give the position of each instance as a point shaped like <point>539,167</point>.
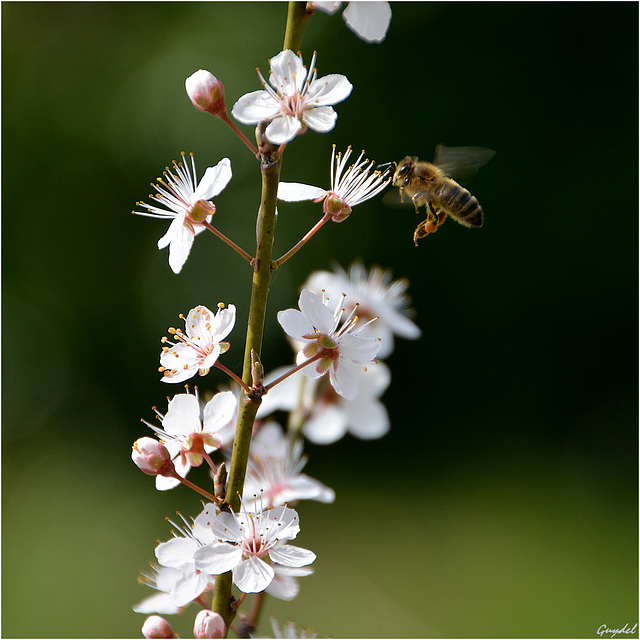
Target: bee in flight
<point>429,185</point>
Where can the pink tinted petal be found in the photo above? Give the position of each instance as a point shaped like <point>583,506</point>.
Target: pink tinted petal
<point>282,129</point>
<point>368,20</point>
<point>255,107</point>
<point>295,192</point>
<point>321,119</point>
<point>215,179</point>
<point>329,90</point>
<point>291,556</point>
<point>253,575</point>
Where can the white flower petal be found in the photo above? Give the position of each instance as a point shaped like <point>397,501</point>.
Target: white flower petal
<point>217,557</point>
<point>294,323</point>
<point>159,603</point>
<point>296,191</point>
<point>282,129</point>
<point>287,72</point>
<point>328,6</point>
<point>188,588</point>
<point>223,323</point>
<point>176,553</point>
<point>180,247</point>
<point>368,418</point>
<point>326,426</point>
<point>254,107</point>
<point>321,119</point>
<point>253,575</point>
<point>342,380</point>
<point>315,311</point>
<point>329,90</point>
<point>215,179</point>
<point>368,20</point>
<point>183,415</point>
<point>360,349</point>
<point>291,556</point>
<point>165,484</point>
<point>220,411</point>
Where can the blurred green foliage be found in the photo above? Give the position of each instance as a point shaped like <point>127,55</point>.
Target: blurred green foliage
<point>503,503</point>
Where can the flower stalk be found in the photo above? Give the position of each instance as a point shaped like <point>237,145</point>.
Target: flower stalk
<point>249,403</point>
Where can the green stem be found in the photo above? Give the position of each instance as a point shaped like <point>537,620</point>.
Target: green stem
<point>270,169</point>
<point>296,20</point>
<point>248,403</point>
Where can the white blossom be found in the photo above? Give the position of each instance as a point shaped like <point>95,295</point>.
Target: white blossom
<point>348,188</point>
<point>293,99</point>
<point>178,554</point>
<point>338,347</point>
<point>248,543</point>
<point>187,204</point>
<point>327,416</point>
<point>368,20</point>
<point>378,296</point>
<point>197,347</point>
<point>274,471</point>
<point>187,428</point>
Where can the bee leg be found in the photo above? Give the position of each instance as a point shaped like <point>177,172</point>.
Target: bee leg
<point>415,198</point>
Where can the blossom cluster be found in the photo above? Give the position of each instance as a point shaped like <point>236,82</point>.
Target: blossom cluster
<point>344,324</point>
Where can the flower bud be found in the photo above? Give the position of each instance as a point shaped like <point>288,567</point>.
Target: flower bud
<point>209,624</point>
<point>157,627</point>
<point>206,92</point>
<point>151,457</point>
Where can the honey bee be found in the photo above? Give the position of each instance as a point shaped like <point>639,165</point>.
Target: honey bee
<point>429,185</point>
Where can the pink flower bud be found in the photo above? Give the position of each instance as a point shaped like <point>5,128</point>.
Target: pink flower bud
<point>157,627</point>
<point>206,92</point>
<point>151,457</point>
<point>209,624</point>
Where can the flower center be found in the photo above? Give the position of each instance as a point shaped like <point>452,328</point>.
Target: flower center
<point>200,211</point>
<point>336,207</point>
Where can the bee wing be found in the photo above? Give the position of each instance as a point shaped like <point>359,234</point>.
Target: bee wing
<point>461,163</point>
<point>392,199</point>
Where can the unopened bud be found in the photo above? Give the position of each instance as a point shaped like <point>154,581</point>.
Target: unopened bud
<point>151,457</point>
<point>209,624</point>
<point>157,627</point>
<point>257,370</point>
<point>220,481</point>
<point>206,93</point>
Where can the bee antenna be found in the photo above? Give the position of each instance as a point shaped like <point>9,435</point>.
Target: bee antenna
<point>386,165</point>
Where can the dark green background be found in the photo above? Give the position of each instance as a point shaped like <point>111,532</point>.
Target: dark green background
<point>503,503</point>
